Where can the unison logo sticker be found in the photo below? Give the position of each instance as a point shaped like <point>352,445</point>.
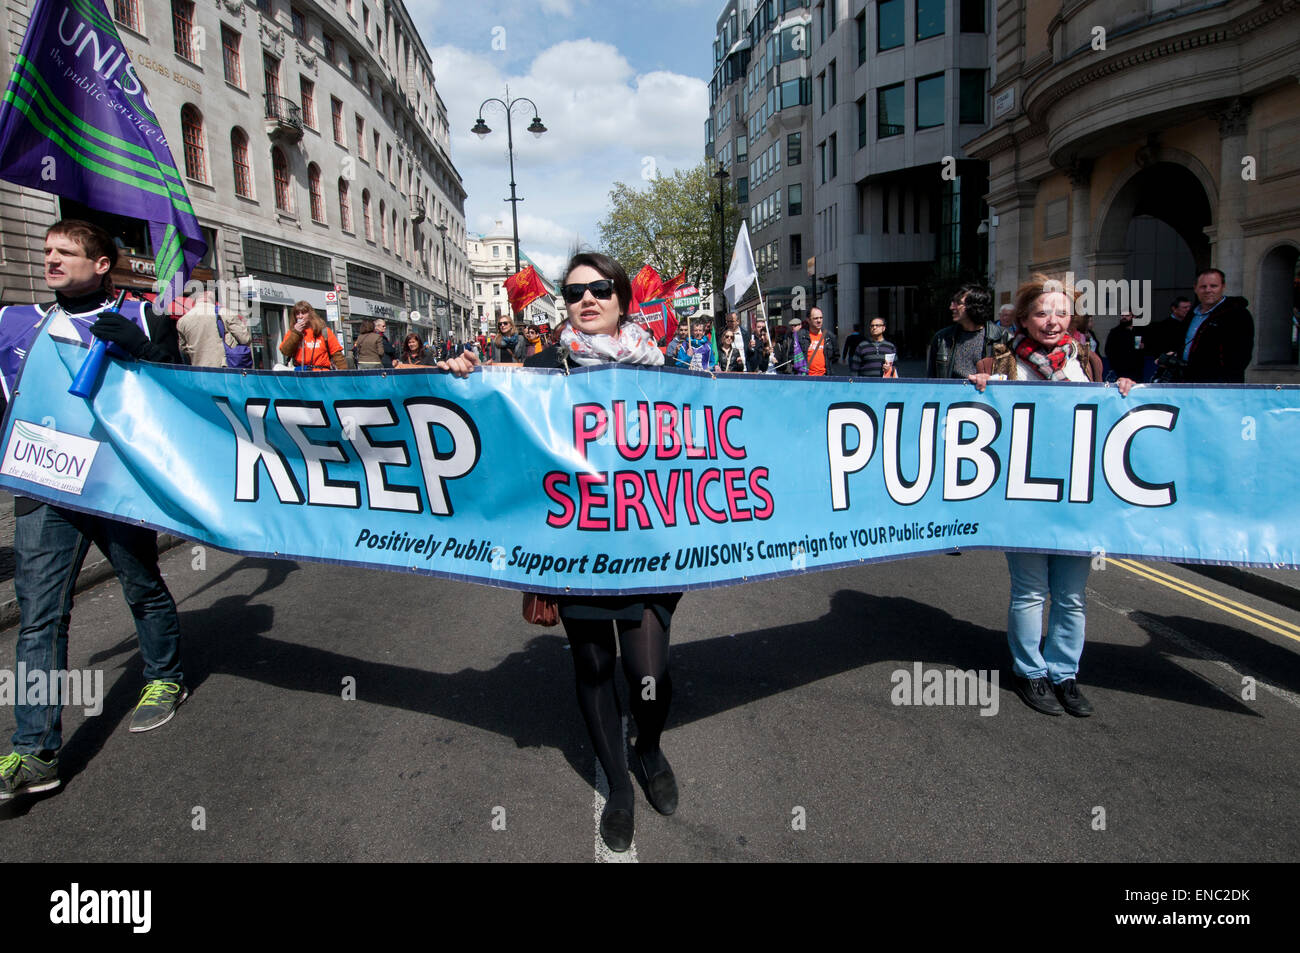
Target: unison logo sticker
<point>49,457</point>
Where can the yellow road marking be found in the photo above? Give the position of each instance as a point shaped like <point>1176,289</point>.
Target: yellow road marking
<point>1262,619</point>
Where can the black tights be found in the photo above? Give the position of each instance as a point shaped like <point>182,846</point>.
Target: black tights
<point>645,655</point>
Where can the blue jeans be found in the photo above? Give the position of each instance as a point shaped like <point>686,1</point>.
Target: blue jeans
<point>1033,577</point>
<point>50,544</point>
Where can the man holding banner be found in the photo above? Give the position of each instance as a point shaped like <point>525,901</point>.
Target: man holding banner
<point>76,121</point>
<point>51,542</point>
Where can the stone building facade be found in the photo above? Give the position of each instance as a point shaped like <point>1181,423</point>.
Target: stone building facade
<point>316,153</point>
<point>1141,141</point>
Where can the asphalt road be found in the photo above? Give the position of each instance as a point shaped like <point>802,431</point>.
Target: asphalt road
<point>464,742</point>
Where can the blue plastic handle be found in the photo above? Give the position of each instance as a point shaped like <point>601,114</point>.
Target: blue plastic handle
<point>92,368</point>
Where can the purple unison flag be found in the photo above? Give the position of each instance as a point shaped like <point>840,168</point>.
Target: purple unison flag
<point>76,121</point>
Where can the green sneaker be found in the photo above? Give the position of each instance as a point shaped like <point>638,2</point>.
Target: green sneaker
<point>158,702</point>
<point>26,774</point>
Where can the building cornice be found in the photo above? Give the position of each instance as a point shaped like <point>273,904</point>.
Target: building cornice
<point>1067,76</point>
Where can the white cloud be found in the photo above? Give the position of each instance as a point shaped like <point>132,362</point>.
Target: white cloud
<point>602,118</point>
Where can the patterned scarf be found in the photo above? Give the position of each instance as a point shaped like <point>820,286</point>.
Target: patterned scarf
<point>631,345</point>
<point>1049,365</point>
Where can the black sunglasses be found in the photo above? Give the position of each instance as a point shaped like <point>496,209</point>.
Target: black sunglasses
<point>602,289</point>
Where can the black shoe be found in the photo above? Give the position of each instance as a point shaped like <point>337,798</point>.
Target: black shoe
<point>661,786</point>
<point>616,828</point>
<point>1072,699</point>
<point>1037,694</point>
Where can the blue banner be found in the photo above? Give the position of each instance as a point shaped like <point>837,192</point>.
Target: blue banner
<point>622,479</point>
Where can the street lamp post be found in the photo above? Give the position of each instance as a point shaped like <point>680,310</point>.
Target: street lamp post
<point>722,176</point>
<point>446,271</point>
<point>535,127</point>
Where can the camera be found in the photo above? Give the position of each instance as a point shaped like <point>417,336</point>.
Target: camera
<point>1169,369</point>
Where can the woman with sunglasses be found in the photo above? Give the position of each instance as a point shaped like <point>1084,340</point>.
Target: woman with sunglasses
<point>508,345</point>
<point>728,352</point>
<point>598,294</point>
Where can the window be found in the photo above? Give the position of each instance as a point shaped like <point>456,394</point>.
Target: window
<point>972,16</point>
<point>383,227</point>
<point>834,150</point>
<point>833,81</point>
<point>794,202</point>
<point>230,57</point>
<point>348,6</point>
<point>328,42</point>
<point>299,22</point>
<point>264,6</point>
<point>929,18</point>
<point>280,172</point>
<point>496,251</point>
<point>929,101</point>
<point>796,249</point>
<point>821,91</point>
<point>391,177</point>
<point>742,189</point>
<point>308,101</point>
<point>889,24</point>
<point>336,115</point>
<point>127,13</point>
<point>971,96</point>
<point>365,215</point>
<point>821,160</point>
<point>239,160</point>
<point>862,122</point>
<point>377,166</point>
<point>365,21</point>
<point>361,138</point>
<point>192,136</point>
<point>860,24</point>
<point>345,205</point>
<point>793,148</point>
<point>496,291</point>
<point>317,193</point>
<point>271,77</point>
<point>183,28</point>
<point>352,68</point>
<point>889,111</point>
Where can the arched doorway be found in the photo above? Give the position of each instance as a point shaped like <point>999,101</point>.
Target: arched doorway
<point>1153,229</point>
<point>1278,307</point>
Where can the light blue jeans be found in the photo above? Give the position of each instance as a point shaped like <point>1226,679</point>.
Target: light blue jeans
<point>1033,577</point>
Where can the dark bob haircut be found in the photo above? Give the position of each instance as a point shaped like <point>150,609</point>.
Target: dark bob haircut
<point>610,269</point>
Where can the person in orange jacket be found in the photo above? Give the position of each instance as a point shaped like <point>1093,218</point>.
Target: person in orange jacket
<point>310,343</point>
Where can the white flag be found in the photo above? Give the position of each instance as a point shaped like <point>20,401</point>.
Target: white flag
<point>742,272</point>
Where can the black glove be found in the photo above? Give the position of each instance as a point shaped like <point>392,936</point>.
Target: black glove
<point>116,328</point>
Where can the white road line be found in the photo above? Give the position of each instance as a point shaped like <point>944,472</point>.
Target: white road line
<point>1188,644</point>
<point>603,854</point>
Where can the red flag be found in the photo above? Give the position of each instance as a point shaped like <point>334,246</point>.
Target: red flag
<point>673,284</point>
<point>646,286</point>
<point>524,288</point>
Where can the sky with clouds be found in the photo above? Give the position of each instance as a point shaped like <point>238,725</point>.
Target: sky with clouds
<point>622,88</point>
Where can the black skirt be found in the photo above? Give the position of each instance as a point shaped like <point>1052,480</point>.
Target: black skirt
<point>629,608</point>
